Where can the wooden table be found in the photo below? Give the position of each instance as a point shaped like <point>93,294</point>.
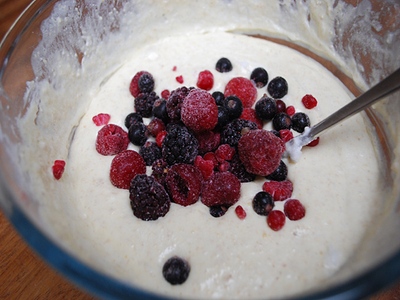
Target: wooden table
<point>22,274</point>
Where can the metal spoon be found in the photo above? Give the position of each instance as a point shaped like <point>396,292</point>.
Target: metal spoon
<point>387,86</point>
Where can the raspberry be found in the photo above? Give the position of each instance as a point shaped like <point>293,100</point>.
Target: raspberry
<point>124,167</point>
<point>160,137</point>
<point>149,200</point>
<point>309,101</point>
<point>276,220</point>
<point>144,104</point>
<point>206,167</point>
<point>279,190</point>
<point>58,169</point>
<point>237,168</point>
<point>208,140</point>
<point>224,152</point>
<point>290,110</point>
<point>150,152</point>
<point>111,140</point>
<point>184,184</point>
<point>280,174</point>
<point>286,135</point>
<point>221,189</point>
<point>260,151</point>
<point>313,143</point>
<point>240,212</point>
<point>101,119</point>
<point>176,270</point>
<point>294,210</point>
<point>232,132</point>
<point>155,126</point>
<point>211,157</point>
<point>160,170</point>
<point>179,79</point>
<point>175,101</point>
<point>165,94</point>
<point>199,111</point>
<point>223,166</point>
<point>205,80</point>
<point>242,88</point>
<point>134,85</point>
<point>250,114</point>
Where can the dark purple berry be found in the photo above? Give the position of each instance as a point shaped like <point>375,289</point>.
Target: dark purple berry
<point>219,98</point>
<point>146,83</point>
<point>263,203</point>
<point>237,168</point>
<point>223,117</point>
<point>280,174</point>
<point>266,108</point>
<point>179,146</point>
<point>282,121</point>
<point>234,130</point>
<point>144,104</point>
<point>160,110</point>
<point>175,101</point>
<point>234,106</point>
<point>176,270</point>
<point>260,77</point>
<point>223,65</point>
<point>218,210</point>
<point>138,134</point>
<point>150,152</point>
<point>300,121</point>
<point>160,170</point>
<point>277,87</point>
<point>276,133</point>
<point>132,118</point>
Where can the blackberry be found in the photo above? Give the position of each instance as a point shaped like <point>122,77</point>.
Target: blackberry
<point>138,134</point>
<point>160,170</point>
<point>278,87</point>
<point>218,97</point>
<point>280,174</point>
<point>300,121</point>
<point>179,146</point>
<point>282,121</point>
<point>144,104</point>
<point>176,270</point>
<point>234,106</point>
<point>223,117</point>
<point>266,108</point>
<point>160,110</point>
<point>149,200</point>
<point>263,203</point>
<point>146,83</point>
<point>218,210</point>
<point>175,101</point>
<point>237,168</point>
<point>260,77</point>
<point>150,152</point>
<point>234,130</point>
<point>223,65</point>
<point>133,118</point>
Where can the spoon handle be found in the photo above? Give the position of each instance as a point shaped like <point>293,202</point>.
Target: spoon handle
<point>382,89</point>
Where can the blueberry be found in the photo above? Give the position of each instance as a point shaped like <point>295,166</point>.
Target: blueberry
<point>276,133</point>
<point>218,210</point>
<point>300,121</point>
<point>146,83</point>
<point>266,108</point>
<point>260,77</point>
<point>263,203</point>
<point>176,270</point>
<point>133,118</point>
<point>277,87</point>
<point>234,106</point>
<point>138,134</point>
<point>281,121</point>
<point>160,110</point>
<point>223,65</point>
<point>219,98</point>
<point>280,174</point>
<point>223,117</point>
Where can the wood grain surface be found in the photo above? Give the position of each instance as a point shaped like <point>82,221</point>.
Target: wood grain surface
<point>25,276</point>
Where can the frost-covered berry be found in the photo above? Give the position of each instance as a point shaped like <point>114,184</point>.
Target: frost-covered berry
<point>276,220</point>
<point>144,104</point>
<point>218,97</point>
<point>242,88</point>
<point>138,134</point>
<point>294,210</point>
<point>234,106</point>
<point>266,108</point>
<point>300,121</point>
<point>176,270</point>
<point>223,65</point>
<point>146,83</point>
<point>124,167</point>
<point>205,80</point>
<point>150,152</point>
<point>160,110</point>
<point>263,203</point>
<point>111,139</point>
<point>280,174</point>
<point>221,189</point>
<point>282,121</point>
<point>260,77</point>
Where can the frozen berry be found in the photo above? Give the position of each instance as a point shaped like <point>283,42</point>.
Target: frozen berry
<point>223,117</point>
<point>260,77</point>
<point>150,152</point>
<point>250,114</point>
<point>155,126</point>
<point>211,157</point>
<point>184,184</point>
<point>242,88</point>
<point>278,87</point>
<point>280,174</point>
<point>286,135</point>
<point>133,118</point>
<point>276,132</point>
<point>263,203</point>
<point>234,130</point>
<point>111,140</point>
<point>260,151</point>
<point>276,220</point>
<point>149,199</point>
<point>309,101</point>
<point>175,101</point>
<point>165,94</point>
<point>160,170</point>
<point>176,270</point>
<point>58,169</point>
<point>240,212</point>
<point>224,152</point>
<point>124,167</point>
<point>294,210</point>
<point>281,106</point>
<point>205,80</point>
<point>218,210</point>
<point>313,143</point>
<point>223,65</point>
<point>290,110</point>
<point>206,167</point>
<point>279,190</point>
<point>160,110</point>
<point>144,104</point>
<point>179,79</point>
<point>199,111</point>
<point>234,106</point>
<point>237,168</point>
<point>146,83</point>
<point>101,119</point>
<point>282,121</point>
<point>266,108</point>
<point>221,189</point>
<point>208,140</point>
<point>160,137</point>
<point>300,121</point>
<point>134,85</point>
<point>218,97</point>
<point>138,134</point>
<point>223,166</point>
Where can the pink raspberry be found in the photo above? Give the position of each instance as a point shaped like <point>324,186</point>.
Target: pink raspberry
<point>205,80</point>
<point>276,220</point>
<point>240,212</point>
<point>309,101</point>
<point>279,190</point>
<point>250,114</point>
<point>134,86</point>
<point>243,88</point>
<point>111,140</point>
<point>101,119</point>
<point>260,151</point>
<point>179,79</point>
<point>199,111</point>
<point>124,167</point>
<point>294,210</point>
<point>211,156</point>
<point>205,166</point>
<point>58,169</point>
<point>286,135</point>
<point>221,189</point>
<point>224,152</point>
<point>224,166</point>
<point>165,94</point>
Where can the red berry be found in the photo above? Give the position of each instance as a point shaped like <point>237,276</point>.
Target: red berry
<point>240,212</point>
<point>101,119</point>
<point>279,190</point>
<point>160,137</point>
<point>242,88</point>
<point>165,94</point>
<point>134,86</point>
<point>174,68</point>
<point>290,110</point>
<point>156,126</point>
<point>208,140</point>
<point>281,106</point>
<point>221,189</point>
<point>111,140</point>
<point>224,152</point>
<point>276,220</point>
<point>58,168</point>
<point>179,79</point>
<point>286,135</point>
<point>260,151</point>
<point>205,166</point>
<point>205,80</point>
<point>294,210</point>
<point>309,101</point>
<point>124,167</point>
<point>223,166</point>
<point>313,143</point>
<point>211,156</point>
<point>199,111</point>
<point>250,114</point>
